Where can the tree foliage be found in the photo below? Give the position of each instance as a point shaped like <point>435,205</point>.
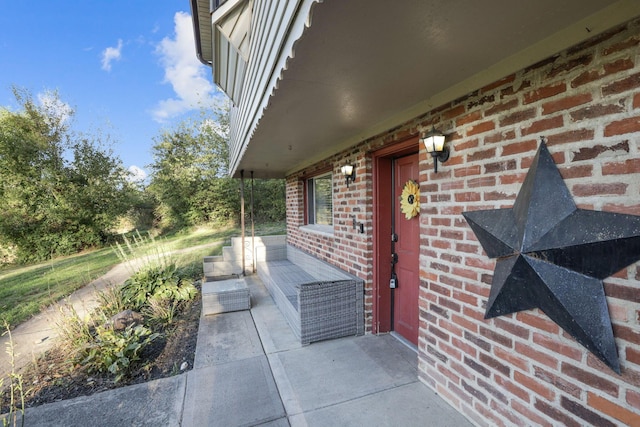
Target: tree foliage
<point>60,191</point>
<point>189,176</point>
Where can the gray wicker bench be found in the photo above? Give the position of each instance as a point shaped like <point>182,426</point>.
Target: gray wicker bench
<point>318,300</point>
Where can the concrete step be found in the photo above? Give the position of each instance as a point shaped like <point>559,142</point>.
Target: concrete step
<point>233,253</point>
<point>221,268</point>
<point>277,239</point>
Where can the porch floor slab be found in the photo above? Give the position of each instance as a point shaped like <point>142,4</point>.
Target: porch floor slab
<point>251,370</point>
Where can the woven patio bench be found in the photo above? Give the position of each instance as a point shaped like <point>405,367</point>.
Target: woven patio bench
<point>318,300</point>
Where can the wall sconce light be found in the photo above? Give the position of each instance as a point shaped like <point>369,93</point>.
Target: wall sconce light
<point>349,173</point>
<point>434,143</point>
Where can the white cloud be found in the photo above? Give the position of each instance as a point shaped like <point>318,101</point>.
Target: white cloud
<point>188,77</point>
<point>111,54</point>
<point>55,107</point>
<point>136,174</point>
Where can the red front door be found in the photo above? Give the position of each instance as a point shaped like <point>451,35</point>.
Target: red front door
<point>406,232</point>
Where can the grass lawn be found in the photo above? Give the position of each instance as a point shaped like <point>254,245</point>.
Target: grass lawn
<point>26,290</point>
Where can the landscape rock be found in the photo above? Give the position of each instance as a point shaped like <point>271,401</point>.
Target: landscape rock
<point>125,318</point>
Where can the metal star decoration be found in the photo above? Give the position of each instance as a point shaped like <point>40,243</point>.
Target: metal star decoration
<point>553,256</point>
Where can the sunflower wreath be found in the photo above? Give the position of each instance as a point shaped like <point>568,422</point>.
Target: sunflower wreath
<point>410,199</point>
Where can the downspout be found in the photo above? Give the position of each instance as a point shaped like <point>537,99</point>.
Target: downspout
<point>196,33</point>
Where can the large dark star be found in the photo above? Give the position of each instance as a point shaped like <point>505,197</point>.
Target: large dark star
<point>553,256</point>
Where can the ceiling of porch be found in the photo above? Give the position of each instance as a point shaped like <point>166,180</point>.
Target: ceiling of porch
<point>364,66</point>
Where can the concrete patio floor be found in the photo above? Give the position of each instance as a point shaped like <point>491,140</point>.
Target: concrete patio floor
<point>250,370</point>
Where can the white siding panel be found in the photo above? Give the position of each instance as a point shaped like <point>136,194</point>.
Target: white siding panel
<point>275,27</point>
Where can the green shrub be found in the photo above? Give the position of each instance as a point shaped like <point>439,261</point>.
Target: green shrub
<point>115,351</point>
<point>162,282</point>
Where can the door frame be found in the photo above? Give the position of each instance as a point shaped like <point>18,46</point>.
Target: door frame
<point>382,161</point>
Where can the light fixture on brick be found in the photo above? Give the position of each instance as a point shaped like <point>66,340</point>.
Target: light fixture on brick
<point>349,173</point>
<point>434,143</point>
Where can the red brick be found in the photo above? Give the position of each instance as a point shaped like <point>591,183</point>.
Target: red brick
<point>486,416</point>
<point>533,417</point>
<point>583,171</point>
<point>570,136</point>
<point>590,379</point>
<point>620,168</point>
<point>500,166</point>
<point>465,323</point>
<point>477,102</point>
<point>636,100</point>
<point>544,92</point>
<point>566,103</point>
<point>496,337</point>
<point>626,293</point>
<point>633,398</point>
<point>498,195</point>
<point>631,335</point>
<point>517,117</point>
<point>481,128</point>
<point>515,359</point>
<point>453,112</point>
<point>500,137</point>
<point>467,145</point>
<point>556,414</point>
<point>519,147</point>
<point>623,45</point>
<point>471,117</point>
<point>534,385</point>
<point>464,346</point>
<point>485,181</point>
<point>557,381</point>
<point>512,178</point>
<point>555,346</point>
<point>482,370</point>
<point>584,190</point>
<point>593,151</point>
<point>623,85</point>
<point>467,171</point>
<point>613,410</point>
<point>542,125</point>
<point>570,65</point>
<point>481,155</point>
<point>606,70</point>
<point>476,340</point>
<point>495,364</point>
<point>586,414</point>
<point>547,359</point>
<point>512,388</point>
<point>633,355</point>
<point>595,111</point>
<point>474,392</point>
<point>512,328</point>
<point>509,79</point>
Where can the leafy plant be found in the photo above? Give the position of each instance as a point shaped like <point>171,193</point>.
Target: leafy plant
<point>160,281</point>
<point>115,351</point>
<point>160,310</point>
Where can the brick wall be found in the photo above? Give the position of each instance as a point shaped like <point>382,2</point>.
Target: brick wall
<point>520,369</point>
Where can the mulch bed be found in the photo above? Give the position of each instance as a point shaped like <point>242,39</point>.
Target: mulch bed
<point>52,378</point>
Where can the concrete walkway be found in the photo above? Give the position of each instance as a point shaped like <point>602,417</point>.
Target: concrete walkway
<point>249,370</point>
<point>35,336</point>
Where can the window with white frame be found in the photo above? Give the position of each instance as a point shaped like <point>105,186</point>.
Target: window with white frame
<point>320,200</point>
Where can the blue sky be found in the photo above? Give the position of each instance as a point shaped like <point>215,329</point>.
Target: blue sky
<point>127,67</point>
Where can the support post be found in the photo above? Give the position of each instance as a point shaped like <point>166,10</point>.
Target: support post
<point>253,231</point>
<point>242,217</point>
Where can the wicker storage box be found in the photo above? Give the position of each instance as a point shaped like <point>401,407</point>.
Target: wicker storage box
<point>225,295</point>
